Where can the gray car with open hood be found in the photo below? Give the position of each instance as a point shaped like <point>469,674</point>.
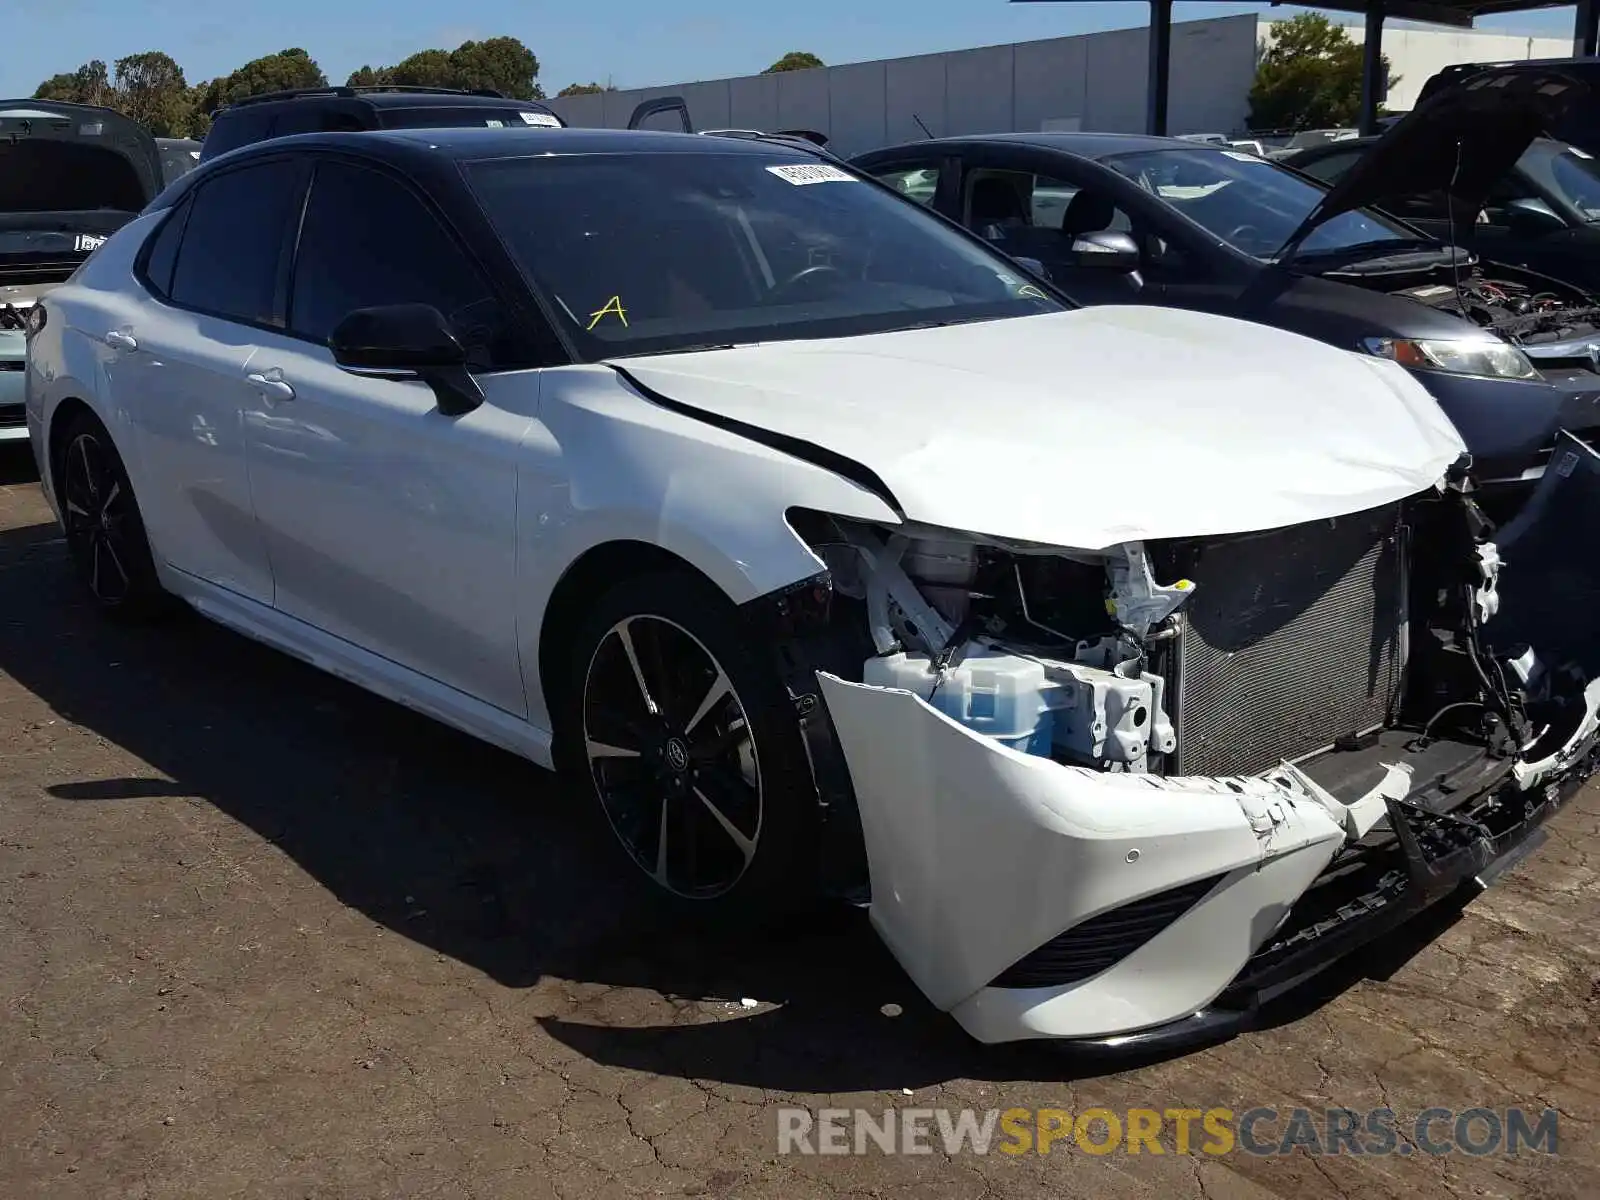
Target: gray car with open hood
<point>70,176</point>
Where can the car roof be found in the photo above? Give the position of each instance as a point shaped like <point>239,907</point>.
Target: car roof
<point>1083,145</point>
<point>425,149</point>
<point>385,97</point>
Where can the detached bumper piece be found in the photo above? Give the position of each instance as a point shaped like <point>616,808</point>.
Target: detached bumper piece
<point>1117,910</point>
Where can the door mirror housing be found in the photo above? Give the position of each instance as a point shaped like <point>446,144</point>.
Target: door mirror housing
<point>408,341</point>
<point>1530,215</point>
<point>1106,250</point>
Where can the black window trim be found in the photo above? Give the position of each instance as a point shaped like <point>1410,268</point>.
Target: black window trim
<point>186,204</point>
<point>313,158</point>
<point>141,263</point>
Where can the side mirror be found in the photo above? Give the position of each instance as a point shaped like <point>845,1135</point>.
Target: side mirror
<point>408,341</point>
<point>1106,250</point>
<point>1532,215</point>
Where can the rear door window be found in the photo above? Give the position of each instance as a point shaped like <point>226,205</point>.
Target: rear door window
<point>230,260</point>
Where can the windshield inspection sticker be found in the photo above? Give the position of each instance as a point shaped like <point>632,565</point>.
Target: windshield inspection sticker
<point>1240,156</point>
<point>542,120</point>
<point>88,241</point>
<point>800,174</point>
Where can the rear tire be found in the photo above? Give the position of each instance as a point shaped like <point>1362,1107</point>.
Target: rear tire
<point>676,725</point>
<point>105,531</point>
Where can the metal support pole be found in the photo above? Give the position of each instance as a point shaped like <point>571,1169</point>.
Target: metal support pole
<point>1584,23</point>
<point>1373,80</point>
<point>1155,112</point>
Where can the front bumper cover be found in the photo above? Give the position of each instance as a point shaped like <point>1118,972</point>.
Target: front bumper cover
<point>980,857</point>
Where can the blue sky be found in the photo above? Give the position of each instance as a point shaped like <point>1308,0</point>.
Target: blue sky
<point>630,42</point>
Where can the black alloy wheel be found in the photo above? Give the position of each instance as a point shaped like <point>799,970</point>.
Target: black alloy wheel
<point>691,747</point>
<point>104,530</point>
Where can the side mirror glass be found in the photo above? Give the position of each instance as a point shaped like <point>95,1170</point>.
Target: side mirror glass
<point>1106,250</point>
<point>408,341</point>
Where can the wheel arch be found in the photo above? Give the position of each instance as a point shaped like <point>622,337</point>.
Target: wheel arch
<point>593,573</point>
<point>60,419</point>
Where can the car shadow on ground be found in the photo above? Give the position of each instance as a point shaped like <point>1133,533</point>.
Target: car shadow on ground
<point>473,852</point>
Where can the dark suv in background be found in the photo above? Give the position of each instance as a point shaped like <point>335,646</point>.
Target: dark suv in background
<point>351,109</point>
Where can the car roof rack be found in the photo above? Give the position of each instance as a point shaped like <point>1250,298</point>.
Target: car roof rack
<point>350,93</point>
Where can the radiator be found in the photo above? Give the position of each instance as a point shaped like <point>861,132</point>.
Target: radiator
<point>1293,638</point>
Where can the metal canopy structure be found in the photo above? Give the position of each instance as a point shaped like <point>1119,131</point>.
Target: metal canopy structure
<point>1458,13</point>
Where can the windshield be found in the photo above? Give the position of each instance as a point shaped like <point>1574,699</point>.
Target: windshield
<point>1251,203</point>
<point>1576,176</point>
<point>643,253</point>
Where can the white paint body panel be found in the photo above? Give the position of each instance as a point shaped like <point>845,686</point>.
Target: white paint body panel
<point>1031,428</point>
<point>979,854</point>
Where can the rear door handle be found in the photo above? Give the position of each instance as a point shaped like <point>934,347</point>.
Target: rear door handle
<point>277,389</point>
<point>118,340</point>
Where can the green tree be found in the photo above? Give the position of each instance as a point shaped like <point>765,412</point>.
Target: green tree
<point>1310,77</point>
<point>425,68</point>
<point>365,76</point>
<point>501,63</point>
<point>795,60</point>
<point>89,84</point>
<point>292,68</point>
<point>585,89</point>
<point>199,122</point>
<point>151,89</point>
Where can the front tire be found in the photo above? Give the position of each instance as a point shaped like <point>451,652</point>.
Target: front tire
<point>104,529</point>
<point>684,737</point>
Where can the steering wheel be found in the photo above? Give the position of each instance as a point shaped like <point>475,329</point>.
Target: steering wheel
<point>800,277</point>
<point>1244,233</point>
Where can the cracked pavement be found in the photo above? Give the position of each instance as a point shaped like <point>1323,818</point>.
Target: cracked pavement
<point>263,935</point>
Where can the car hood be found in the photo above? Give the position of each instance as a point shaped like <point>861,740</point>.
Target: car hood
<point>1464,138</point>
<point>1082,429</point>
<point>73,159</point>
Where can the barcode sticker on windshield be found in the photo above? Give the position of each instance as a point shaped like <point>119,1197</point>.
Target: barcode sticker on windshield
<point>803,173</point>
<point>543,120</point>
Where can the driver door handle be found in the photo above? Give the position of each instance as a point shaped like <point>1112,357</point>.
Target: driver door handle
<point>276,389</point>
<point>118,340</point>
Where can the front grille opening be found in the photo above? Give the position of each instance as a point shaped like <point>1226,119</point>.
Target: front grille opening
<point>1292,640</point>
<point>1102,942</point>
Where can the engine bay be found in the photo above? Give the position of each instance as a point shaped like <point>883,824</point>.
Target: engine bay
<point>1522,312</point>
<point>1332,641</point>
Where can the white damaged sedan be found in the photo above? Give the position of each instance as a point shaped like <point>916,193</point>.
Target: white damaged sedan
<point>1129,664</point>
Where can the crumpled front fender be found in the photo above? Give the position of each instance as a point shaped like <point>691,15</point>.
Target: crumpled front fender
<point>979,854</point>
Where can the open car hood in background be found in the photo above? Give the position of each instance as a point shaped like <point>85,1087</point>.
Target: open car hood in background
<point>73,158</point>
<point>1465,137</point>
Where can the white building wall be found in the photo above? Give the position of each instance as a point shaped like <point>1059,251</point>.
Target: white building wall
<point>1417,52</point>
<point>1094,81</point>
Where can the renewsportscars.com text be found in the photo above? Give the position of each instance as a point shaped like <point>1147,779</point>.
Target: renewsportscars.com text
<point>1212,1131</point>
